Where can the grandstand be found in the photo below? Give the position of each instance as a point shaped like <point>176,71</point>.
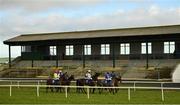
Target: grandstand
<point>132,52</point>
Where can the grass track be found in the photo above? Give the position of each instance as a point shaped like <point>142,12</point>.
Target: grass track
<point>28,96</point>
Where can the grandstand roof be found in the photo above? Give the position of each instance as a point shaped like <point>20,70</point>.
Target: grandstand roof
<point>139,31</point>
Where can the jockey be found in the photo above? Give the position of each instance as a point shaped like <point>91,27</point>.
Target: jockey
<point>108,78</point>
<point>56,77</point>
<point>113,74</point>
<point>88,77</point>
<point>60,73</point>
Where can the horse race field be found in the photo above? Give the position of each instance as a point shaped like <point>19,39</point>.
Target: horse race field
<point>28,95</point>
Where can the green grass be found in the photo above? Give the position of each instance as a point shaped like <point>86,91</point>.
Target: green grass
<point>24,95</point>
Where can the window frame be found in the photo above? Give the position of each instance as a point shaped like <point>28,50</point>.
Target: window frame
<point>143,47</point>
<point>23,49</point>
<point>52,50</point>
<point>87,49</point>
<point>106,49</point>
<point>69,50</point>
<point>124,48</point>
<point>169,47</point>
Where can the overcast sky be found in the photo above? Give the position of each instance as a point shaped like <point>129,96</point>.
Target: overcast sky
<point>39,16</point>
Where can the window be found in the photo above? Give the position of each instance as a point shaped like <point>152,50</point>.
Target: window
<point>69,50</point>
<point>87,49</point>
<point>23,48</point>
<point>105,49</point>
<point>125,48</point>
<point>169,47</point>
<point>26,49</point>
<point>143,48</point>
<point>52,50</point>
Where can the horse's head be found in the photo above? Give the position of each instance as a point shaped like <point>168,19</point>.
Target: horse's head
<point>118,78</point>
<point>71,78</point>
<point>64,77</point>
<point>95,76</point>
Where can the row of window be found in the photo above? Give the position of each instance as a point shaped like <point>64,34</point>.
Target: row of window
<point>169,47</point>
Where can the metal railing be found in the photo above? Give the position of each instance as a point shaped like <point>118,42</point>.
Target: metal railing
<point>91,87</point>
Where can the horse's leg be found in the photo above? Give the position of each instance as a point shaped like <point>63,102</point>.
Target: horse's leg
<point>93,90</point>
<point>90,90</point>
<point>83,90</point>
<point>52,89</point>
<point>113,90</point>
<point>77,84</point>
<point>116,90</point>
<point>68,89</point>
<point>100,90</point>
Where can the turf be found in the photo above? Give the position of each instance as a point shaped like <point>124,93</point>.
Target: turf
<point>24,95</point>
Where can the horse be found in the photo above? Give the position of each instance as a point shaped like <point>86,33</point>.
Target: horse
<point>114,83</point>
<point>63,80</point>
<point>66,81</point>
<point>82,82</point>
<point>50,82</point>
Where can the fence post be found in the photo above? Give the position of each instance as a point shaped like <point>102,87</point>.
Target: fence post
<point>66,91</point>
<point>38,82</point>
<point>134,86</point>
<point>10,90</point>
<point>88,92</point>
<point>129,94</point>
<point>37,90</point>
<point>162,92</point>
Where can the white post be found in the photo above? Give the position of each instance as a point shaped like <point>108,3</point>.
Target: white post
<point>38,82</point>
<point>129,94</point>
<point>88,92</point>
<point>38,90</point>
<point>10,90</point>
<point>162,92</point>
<point>134,86</point>
<point>66,91</point>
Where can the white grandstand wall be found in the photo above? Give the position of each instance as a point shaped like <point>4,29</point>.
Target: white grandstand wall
<point>176,74</point>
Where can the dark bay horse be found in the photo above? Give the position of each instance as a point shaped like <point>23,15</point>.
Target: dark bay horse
<point>50,83</point>
<point>82,82</point>
<point>66,81</point>
<point>114,83</point>
<point>63,80</point>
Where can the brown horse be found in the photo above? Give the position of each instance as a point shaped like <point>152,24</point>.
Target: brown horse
<point>66,81</point>
<point>82,82</point>
<point>50,83</point>
<point>63,80</point>
<point>114,83</point>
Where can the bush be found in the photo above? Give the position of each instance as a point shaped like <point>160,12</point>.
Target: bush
<point>160,73</point>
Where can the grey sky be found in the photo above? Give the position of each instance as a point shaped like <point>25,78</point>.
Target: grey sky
<point>32,16</point>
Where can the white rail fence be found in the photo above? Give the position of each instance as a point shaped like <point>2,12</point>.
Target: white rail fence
<point>91,87</point>
<point>128,82</point>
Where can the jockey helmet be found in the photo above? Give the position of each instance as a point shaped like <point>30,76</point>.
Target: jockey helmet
<point>89,71</point>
